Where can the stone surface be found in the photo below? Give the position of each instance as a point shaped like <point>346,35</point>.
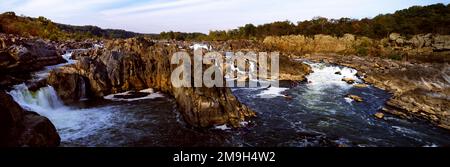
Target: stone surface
<point>348,80</point>
<point>19,56</point>
<point>24,128</point>
<point>360,85</point>
<point>379,115</point>
<point>355,98</point>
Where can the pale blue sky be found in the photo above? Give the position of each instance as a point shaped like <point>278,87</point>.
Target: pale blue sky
<point>154,16</point>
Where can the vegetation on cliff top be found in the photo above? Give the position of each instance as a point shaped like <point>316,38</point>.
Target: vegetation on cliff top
<point>45,28</point>
<point>414,20</point>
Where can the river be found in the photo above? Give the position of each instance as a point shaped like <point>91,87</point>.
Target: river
<point>314,113</point>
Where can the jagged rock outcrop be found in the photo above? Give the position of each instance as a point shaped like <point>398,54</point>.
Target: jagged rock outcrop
<point>19,56</point>
<point>435,42</point>
<point>24,128</point>
<point>25,54</point>
<point>136,64</point>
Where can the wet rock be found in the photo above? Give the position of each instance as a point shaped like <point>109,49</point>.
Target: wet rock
<point>355,98</point>
<point>348,80</point>
<point>38,132</point>
<point>69,86</point>
<point>379,115</point>
<point>360,85</point>
<point>132,95</point>
<point>24,128</point>
<point>338,73</point>
<point>36,85</point>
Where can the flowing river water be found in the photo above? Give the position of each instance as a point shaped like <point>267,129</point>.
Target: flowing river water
<point>314,113</point>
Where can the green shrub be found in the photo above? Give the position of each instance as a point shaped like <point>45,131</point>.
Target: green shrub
<point>395,56</point>
<point>362,51</point>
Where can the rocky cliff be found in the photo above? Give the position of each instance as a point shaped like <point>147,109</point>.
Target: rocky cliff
<point>422,47</point>
<point>138,63</point>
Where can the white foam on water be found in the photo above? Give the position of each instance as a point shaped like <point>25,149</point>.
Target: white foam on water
<point>348,100</point>
<point>243,123</point>
<point>404,130</point>
<point>272,92</point>
<point>222,127</point>
<point>324,76</point>
<point>41,101</point>
<point>46,71</point>
<point>200,46</point>
<point>71,123</point>
<point>151,95</point>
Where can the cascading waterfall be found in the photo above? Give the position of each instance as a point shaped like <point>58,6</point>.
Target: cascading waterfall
<point>45,99</point>
<point>41,101</point>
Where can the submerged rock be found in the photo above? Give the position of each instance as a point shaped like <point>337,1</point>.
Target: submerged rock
<point>379,115</point>
<point>348,80</point>
<point>360,85</point>
<point>355,98</point>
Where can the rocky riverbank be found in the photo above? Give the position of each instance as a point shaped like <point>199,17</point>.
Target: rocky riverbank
<point>415,69</point>
<point>420,90</point>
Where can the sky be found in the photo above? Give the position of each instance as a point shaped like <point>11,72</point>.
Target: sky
<point>154,16</point>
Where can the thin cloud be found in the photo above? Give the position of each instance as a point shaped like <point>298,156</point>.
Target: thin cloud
<point>153,6</point>
<point>154,16</point>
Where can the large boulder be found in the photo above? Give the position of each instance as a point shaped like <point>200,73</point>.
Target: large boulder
<point>24,128</point>
<point>70,86</point>
<point>441,43</point>
<point>422,40</point>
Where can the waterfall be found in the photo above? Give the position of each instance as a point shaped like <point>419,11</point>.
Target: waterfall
<point>45,99</point>
<point>83,90</point>
<point>42,101</point>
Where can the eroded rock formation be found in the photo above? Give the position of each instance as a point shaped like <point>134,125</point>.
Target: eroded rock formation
<point>136,64</point>
<point>19,56</point>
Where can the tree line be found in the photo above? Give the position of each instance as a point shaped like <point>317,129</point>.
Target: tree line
<point>414,20</point>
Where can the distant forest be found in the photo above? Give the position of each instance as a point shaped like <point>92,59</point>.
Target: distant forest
<point>45,28</point>
<point>414,20</point>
